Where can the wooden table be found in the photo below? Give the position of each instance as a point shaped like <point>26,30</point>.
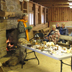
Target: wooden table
<point>57,57</point>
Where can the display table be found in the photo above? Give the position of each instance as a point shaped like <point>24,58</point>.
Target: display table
<point>54,56</point>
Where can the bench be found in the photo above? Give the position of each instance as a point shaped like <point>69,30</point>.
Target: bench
<point>45,31</point>
<point>68,38</point>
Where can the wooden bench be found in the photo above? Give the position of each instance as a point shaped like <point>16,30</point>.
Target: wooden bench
<point>69,29</point>
<point>45,31</point>
<point>64,37</point>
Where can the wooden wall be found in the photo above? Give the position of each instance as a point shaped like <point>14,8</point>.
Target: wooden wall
<point>60,14</point>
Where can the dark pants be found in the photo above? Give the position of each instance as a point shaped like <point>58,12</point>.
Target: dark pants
<point>63,41</point>
<point>22,54</point>
<point>46,40</point>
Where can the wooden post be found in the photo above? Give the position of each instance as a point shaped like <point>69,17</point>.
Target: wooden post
<point>45,16</point>
<point>36,14</point>
<point>0,4</point>
<point>22,5</point>
<point>28,10</point>
<point>40,12</point>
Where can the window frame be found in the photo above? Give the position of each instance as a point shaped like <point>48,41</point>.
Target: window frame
<point>32,18</point>
<point>42,18</point>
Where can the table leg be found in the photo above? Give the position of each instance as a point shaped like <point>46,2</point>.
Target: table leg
<point>71,63</point>
<point>22,65</point>
<point>61,65</point>
<point>36,57</point>
<point>26,53</point>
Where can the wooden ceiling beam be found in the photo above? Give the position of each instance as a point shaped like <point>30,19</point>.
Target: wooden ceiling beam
<point>53,2</point>
<point>55,5</point>
<point>38,4</point>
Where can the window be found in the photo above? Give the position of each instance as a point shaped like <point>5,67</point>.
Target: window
<point>31,18</point>
<point>42,18</point>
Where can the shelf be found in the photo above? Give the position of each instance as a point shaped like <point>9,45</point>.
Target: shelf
<point>5,14</point>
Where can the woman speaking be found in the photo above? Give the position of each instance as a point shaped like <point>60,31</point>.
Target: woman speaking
<point>23,29</point>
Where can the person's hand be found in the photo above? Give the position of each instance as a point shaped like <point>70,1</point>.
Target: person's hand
<point>58,33</point>
<point>27,27</point>
<point>46,37</point>
<point>30,27</point>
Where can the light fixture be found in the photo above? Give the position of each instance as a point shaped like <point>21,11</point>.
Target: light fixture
<point>71,7</point>
<point>69,0</point>
<point>70,3</point>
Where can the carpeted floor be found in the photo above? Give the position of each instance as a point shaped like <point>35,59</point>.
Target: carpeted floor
<point>46,65</point>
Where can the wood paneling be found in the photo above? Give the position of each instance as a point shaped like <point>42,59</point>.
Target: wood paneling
<point>59,14</point>
<point>53,3</point>
<point>51,0</point>
<point>30,6</point>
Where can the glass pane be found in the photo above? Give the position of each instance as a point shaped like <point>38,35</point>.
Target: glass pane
<point>42,18</point>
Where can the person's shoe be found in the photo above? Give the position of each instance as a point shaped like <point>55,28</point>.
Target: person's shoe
<point>25,59</point>
<point>23,63</point>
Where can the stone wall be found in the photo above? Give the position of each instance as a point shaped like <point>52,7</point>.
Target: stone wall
<point>9,21</point>
<point>2,39</point>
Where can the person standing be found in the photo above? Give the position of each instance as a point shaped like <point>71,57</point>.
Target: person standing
<point>23,29</point>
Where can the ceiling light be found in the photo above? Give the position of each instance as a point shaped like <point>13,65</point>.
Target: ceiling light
<point>70,3</point>
<point>69,0</point>
<point>70,7</point>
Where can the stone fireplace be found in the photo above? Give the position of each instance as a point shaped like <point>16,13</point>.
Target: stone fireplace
<point>10,12</point>
<point>11,39</point>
